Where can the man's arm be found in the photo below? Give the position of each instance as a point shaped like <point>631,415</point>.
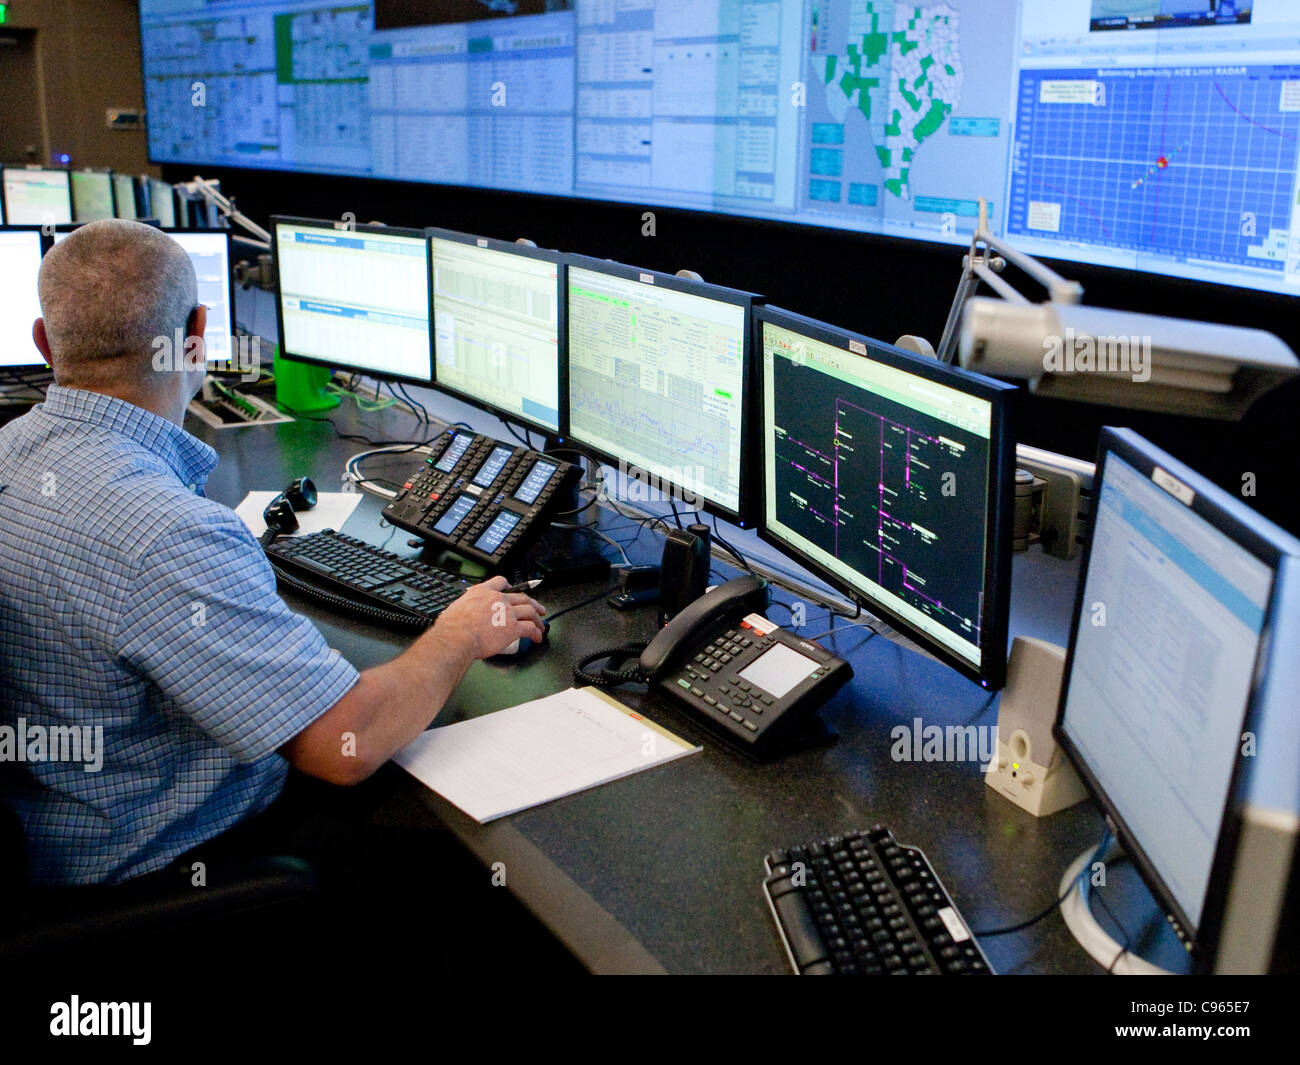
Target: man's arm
<point>390,705</point>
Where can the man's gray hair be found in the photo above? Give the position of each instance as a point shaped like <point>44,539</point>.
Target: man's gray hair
<point>107,291</point>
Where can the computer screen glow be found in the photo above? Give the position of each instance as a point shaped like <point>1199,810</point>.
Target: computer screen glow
<point>355,299</point>
<point>882,478</point>
<point>1163,662</point>
<point>1161,136</point>
<point>657,378</point>
<point>496,329</point>
<point>20,262</point>
<point>35,197</point>
<point>92,195</point>
<point>124,188</point>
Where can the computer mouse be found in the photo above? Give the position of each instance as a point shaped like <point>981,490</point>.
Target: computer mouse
<point>520,647</point>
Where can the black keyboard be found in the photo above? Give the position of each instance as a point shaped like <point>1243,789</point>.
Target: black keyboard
<point>862,903</point>
<point>368,576</point>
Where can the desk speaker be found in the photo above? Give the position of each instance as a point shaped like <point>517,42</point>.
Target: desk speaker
<point>1030,768</point>
<point>683,570</point>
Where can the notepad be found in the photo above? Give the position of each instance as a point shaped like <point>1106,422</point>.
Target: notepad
<point>537,752</point>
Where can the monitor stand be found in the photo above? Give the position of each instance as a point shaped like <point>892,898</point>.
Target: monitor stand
<point>1154,947</point>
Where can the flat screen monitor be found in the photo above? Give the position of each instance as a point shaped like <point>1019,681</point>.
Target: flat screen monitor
<point>354,298</point>
<point>659,376</point>
<point>162,203</point>
<point>20,263</point>
<point>891,477</point>
<point>125,194</point>
<point>36,196</point>
<point>498,337</point>
<point>1175,610</point>
<point>92,195</point>
<point>209,251</point>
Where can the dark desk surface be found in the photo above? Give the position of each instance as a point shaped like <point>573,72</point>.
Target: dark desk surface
<point>663,870</point>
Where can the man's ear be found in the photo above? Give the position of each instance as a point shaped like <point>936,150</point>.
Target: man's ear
<point>197,323</point>
<point>195,327</point>
<point>42,342</point>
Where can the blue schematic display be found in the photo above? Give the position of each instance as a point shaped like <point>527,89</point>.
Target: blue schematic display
<point>1194,164</point>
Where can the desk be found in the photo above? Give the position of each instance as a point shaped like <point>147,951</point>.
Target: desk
<point>662,871</point>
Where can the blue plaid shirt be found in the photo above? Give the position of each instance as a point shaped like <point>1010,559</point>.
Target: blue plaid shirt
<point>129,602</point>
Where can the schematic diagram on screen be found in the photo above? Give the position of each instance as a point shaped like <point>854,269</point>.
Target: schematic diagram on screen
<point>888,491</point>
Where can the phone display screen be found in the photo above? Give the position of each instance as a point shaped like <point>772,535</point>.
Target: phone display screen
<point>779,670</point>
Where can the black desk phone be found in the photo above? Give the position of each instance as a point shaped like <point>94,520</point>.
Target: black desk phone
<point>744,678</point>
<point>482,498</point>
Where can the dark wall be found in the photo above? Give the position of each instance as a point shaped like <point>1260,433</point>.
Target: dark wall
<point>88,61</point>
<point>878,286</point>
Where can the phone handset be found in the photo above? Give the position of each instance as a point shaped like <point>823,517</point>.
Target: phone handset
<point>741,595</point>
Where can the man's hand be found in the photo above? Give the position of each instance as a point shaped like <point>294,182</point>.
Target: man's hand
<point>392,704</point>
<point>490,619</point>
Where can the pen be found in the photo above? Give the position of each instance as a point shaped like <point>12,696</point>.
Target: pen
<point>526,586</point>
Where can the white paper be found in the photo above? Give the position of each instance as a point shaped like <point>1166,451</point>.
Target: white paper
<point>530,754</point>
<point>332,509</point>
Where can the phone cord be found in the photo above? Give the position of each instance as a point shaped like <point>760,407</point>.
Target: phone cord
<point>608,677</point>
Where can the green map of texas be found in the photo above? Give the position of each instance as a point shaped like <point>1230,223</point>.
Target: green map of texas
<point>903,72</point>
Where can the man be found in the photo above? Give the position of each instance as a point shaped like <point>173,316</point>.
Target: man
<point>131,604</point>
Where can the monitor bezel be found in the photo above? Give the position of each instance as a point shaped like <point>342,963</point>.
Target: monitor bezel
<point>4,194</point>
<point>559,260</point>
<point>990,673</point>
<point>1268,544</point>
<point>108,172</point>
<point>743,514</point>
<point>43,241</point>
<point>329,224</point>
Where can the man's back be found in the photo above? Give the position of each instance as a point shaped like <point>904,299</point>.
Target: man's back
<point>149,671</point>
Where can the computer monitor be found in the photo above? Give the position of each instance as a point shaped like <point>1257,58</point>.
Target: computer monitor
<point>1175,613</point>
<point>1252,910</point>
<point>92,195</point>
<point>162,202</point>
<point>354,298</point>
<point>498,334</point>
<point>124,193</point>
<point>20,262</point>
<point>209,251</point>
<point>891,477</point>
<point>659,375</point>
<point>36,196</point>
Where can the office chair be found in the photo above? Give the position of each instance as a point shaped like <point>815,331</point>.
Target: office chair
<point>158,911</point>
